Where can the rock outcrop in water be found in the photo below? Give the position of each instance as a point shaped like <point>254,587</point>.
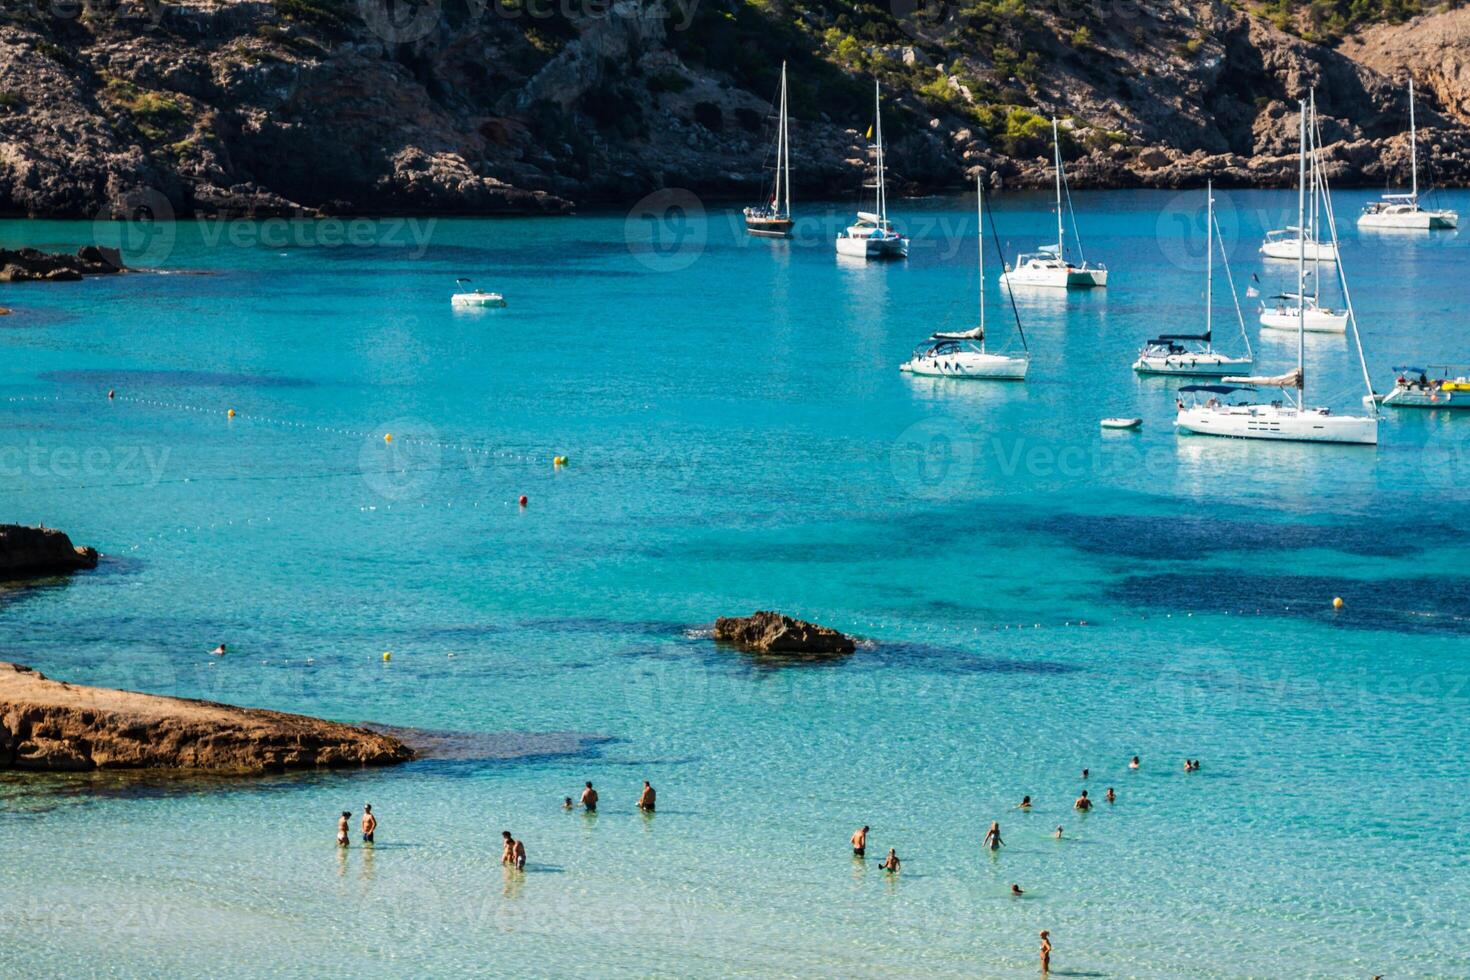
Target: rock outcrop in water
<point>52,725</point>
<point>33,265</point>
<point>772,632</point>
<point>34,552</point>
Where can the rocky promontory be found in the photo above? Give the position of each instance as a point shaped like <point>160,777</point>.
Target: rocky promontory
<point>33,552</point>
<point>51,725</point>
<point>33,265</point>
<point>775,633</point>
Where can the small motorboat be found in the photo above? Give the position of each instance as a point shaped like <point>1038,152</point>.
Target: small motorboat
<point>1121,423</point>
<point>477,299</point>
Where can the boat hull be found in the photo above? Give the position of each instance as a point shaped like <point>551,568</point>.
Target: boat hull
<point>1317,321</point>
<point>1274,424</point>
<point>1288,249</point>
<point>968,364</point>
<point>769,227</point>
<point>1419,398</point>
<point>1056,278</point>
<point>1192,365</point>
<point>1410,220</point>
<point>477,300</point>
<point>873,248</point>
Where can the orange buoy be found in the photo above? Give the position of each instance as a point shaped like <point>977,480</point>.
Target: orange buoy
<point>231,413</point>
<point>111,393</point>
<point>524,500</point>
<point>387,437</point>
<point>1337,602</point>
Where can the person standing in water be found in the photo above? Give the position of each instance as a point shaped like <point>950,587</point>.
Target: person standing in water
<point>1083,803</point>
<point>1025,803</point>
<point>369,823</point>
<point>342,828</point>
<point>589,798</point>
<point>1133,763</point>
<point>507,848</point>
<point>1111,796</point>
<point>518,854</point>
<point>1058,834</point>
<point>646,798</point>
<point>992,836</point>
<point>891,862</point>
<point>860,841</point>
<point>1045,952</point>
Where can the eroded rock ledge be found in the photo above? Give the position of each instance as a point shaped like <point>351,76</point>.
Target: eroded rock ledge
<point>772,632</point>
<point>51,725</point>
<point>33,265</point>
<point>31,552</point>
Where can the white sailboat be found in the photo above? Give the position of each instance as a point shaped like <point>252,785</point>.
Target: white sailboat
<point>963,354</point>
<point>1048,265</point>
<point>1193,355</point>
<point>773,220</point>
<point>1402,212</point>
<point>1287,419</point>
<point>872,236</point>
<point>1303,239</point>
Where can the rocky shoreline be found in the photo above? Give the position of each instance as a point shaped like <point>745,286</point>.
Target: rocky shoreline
<point>49,725</point>
<point>37,552</point>
<point>33,265</point>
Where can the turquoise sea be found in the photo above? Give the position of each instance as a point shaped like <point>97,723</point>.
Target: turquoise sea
<point>1037,597</point>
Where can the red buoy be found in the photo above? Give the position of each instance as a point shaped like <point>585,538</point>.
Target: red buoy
<point>524,500</point>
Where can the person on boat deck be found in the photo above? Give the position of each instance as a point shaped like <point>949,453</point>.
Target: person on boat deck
<point>891,862</point>
<point>1213,402</point>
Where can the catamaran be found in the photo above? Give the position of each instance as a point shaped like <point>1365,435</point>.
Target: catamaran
<point>963,354</point>
<point>1290,242</point>
<point>1450,388</point>
<point>1048,265</point>
<point>873,237</point>
<point>1399,212</point>
<point>1193,355</point>
<point>1287,419</point>
<point>773,220</point>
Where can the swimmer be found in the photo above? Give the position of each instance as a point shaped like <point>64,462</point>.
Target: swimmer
<point>1058,834</point>
<point>342,828</point>
<point>860,841</point>
<point>1025,803</point>
<point>218,651</point>
<point>518,855</point>
<point>1189,765</point>
<point>891,862</point>
<point>1084,774</point>
<point>1083,803</point>
<point>369,823</point>
<point>1045,952</point>
<point>1110,797</point>
<point>1133,763</point>
<point>507,848</point>
<point>646,798</point>
<point>992,837</point>
<point>1016,889</point>
<point>567,803</point>
<point>589,798</point>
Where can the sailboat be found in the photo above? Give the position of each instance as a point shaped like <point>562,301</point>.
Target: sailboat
<point>1288,419</point>
<point>1303,238</point>
<point>774,220</point>
<point>1402,211</point>
<point>963,354</point>
<point>1193,354</point>
<point>873,237</point>
<point>1048,265</point>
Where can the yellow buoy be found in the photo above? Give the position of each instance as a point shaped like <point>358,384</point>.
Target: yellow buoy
<point>387,656</point>
<point>559,461</point>
<point>1337,602</point>
<point>231,413</point>
<point>387,437</point>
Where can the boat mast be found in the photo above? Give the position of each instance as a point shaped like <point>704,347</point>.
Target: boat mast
<point>1316,189</point>
<point>1209,263</point>
<point>980,245</point>
<point>780,138</point>
<point>1057,155</point>
<point>878,131</point>
<point>783,161</point>
<point>1413,145</point>
<point>1301,253</point>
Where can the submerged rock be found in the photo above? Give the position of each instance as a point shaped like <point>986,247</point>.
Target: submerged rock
<point>32,552</point>
<point>52,725</point>
<point>772,632</point>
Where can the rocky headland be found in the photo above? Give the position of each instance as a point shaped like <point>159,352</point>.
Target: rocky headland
<point>56,726</point>
<point>249,107</point>
<point>33,265</point>
<point>35,552</point>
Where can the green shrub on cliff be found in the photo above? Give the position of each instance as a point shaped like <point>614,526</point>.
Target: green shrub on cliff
<point>157,115</point>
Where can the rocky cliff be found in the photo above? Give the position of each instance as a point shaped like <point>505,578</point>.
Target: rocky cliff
<point>31,552</point>
<point>52,725</point>
<point>120,107</point>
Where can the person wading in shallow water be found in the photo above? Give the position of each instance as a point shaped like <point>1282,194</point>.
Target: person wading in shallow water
<point>589,798</point>
<point>891,862</point>
<point>369,823</point>
<point>342,827</point>
<point>1083,803</point>
<point>992,836</point>
<point>1045,952</point>
<point>860,841</point>
<point>647,798</point>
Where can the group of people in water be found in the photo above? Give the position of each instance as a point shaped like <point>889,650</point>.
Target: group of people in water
<point>369,826</point>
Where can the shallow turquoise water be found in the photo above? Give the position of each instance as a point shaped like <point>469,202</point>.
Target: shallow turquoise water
<point>740,438</point>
